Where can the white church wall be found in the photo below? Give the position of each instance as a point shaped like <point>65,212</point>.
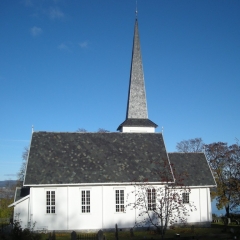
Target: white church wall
<point>139,129</point>
<point>76,218</point>
<point>21,212</point>
<point>194,200</point>
<point>111,217</point>
<point>103,215</point>
<point>206,208</point>
<point>200,198</point>
<point>52,221</point>
<point>68,215</point>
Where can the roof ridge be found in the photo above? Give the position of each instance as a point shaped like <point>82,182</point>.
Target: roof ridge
<point>98,132</point>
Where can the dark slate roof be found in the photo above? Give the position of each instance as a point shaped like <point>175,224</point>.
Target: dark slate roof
<point>137,122</point>
<point>194,166</point>
<point>21,193</point>
<point>72,158</point>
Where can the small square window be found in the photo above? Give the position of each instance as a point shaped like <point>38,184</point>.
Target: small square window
<point>185,197</point>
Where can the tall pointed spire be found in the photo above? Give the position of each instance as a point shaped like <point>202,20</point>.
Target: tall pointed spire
<point>137,103</point>
<point>137,114</point>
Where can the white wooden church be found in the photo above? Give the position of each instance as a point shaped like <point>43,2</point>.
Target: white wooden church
<point>80,181</point>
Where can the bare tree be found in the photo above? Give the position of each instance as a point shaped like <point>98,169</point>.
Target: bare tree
<point>102,130</point>
<point>161,206</point>
<point>21,173</point>
<point>83,130</point>
<point>191,145</point>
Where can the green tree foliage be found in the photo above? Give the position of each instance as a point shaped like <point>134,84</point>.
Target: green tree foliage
<point>6,198</point>
<point>224,161</point>
<point>5,211</point>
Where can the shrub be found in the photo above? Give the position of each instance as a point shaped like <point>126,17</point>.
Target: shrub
<point>18,233</point>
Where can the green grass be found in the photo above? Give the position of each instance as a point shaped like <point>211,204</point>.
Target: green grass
<point>215,232</point>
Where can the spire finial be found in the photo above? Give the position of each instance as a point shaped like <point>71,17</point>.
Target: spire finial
<point>32,128</point>
<point>136,12</point>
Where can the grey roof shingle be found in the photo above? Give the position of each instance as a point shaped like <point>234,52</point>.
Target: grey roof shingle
<point>137,102</point>
<point>193,167</point>
<point>72,158</point>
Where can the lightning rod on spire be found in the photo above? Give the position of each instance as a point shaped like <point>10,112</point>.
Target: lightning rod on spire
<point>136,12</point>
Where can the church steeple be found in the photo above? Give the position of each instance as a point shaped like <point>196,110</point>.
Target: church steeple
<point>137,114</point>
<point>137,102</point>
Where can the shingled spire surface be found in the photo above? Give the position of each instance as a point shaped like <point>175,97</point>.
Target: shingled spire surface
<point>137,103</point>
<point>137,114</point>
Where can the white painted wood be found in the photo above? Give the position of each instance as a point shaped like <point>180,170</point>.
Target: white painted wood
<point>138,129</point>
<point>103,215</point>
<point>21,212</point>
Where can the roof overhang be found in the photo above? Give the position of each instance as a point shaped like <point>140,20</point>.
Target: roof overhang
<point>99,184</point>
<point>17,202</point>
<point>137,122</point>
<point>112,184</point>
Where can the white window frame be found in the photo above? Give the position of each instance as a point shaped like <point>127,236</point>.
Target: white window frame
<point>119,203</point>
<point>85,201</point>
<point>151,199</point>
<point>185,197</point>
<point>50,201</point>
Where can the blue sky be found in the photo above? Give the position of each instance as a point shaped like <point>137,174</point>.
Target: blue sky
<point>65,65</point>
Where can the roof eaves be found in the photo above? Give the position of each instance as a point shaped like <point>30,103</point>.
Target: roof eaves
<point>137,123</point>
<point>210,170</point>
<point>20,200</point>
<point>96,184</point>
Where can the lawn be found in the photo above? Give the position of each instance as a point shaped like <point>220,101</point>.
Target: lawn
<point>215,232</point>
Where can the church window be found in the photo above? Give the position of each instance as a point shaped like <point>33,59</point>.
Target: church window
<point>50,202</point>
<point>185,197</point>
<point>119,197</point>
<point>151,197</point>
<point>85,201</point>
